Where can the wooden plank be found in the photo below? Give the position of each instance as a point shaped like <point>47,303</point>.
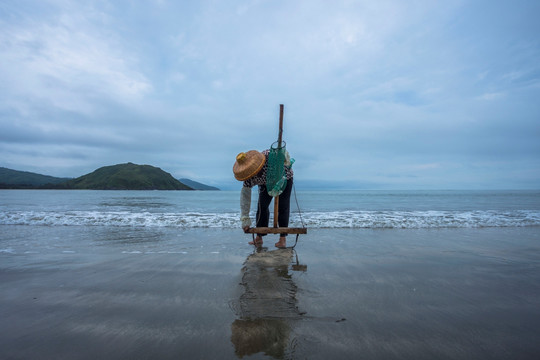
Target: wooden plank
<point>270,230</point>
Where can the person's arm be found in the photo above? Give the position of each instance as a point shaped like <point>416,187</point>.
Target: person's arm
<point>245,204</point>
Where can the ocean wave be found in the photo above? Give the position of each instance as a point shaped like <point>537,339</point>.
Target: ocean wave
<point>336,219</point>
<point>422,219</point>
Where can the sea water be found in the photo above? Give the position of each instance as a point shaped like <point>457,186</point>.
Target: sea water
<point>169,274</point>
<point>311,209</point>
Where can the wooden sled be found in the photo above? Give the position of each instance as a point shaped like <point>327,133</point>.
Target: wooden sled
<point>276,230</point>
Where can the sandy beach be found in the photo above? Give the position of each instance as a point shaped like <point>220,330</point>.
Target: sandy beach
<point>139,293</point>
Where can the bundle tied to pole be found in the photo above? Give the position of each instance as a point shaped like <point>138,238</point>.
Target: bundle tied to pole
<point>276,179</point>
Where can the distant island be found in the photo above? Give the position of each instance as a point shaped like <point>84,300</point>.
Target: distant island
<point>115,177</point>
<point>126,177</point>
<point>197,185</point>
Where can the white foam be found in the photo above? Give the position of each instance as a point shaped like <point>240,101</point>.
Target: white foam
<point>331,219</point>
<point>422,219</point>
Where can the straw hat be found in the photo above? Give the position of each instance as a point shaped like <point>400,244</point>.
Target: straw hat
<point>248,164</point>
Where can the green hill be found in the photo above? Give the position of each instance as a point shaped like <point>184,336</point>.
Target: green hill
<point>127,177</point>
<point>23,179</point>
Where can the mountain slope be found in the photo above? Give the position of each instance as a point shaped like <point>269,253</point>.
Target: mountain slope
<point>197,185</point>
<point>15,178</point>
<point>127,177</point>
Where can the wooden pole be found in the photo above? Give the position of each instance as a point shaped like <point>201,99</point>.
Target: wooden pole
<point>280,134</point>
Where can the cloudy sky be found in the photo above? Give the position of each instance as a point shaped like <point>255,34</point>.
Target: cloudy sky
<point>378,94</point>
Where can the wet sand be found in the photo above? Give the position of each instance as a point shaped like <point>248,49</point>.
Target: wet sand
<point>140,293</point>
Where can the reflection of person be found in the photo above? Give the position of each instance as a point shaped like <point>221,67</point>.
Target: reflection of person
<point>251,168</point>
<point>267,306</point>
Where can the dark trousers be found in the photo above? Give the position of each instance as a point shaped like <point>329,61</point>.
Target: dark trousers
<point>263,215</point>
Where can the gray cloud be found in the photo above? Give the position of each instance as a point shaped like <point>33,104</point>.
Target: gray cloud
<point>376,94</point>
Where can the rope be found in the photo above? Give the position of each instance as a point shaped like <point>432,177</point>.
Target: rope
<point>298,207</point>
<point>295,242</point>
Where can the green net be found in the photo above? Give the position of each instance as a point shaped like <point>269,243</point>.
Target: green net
<point>276,179</point>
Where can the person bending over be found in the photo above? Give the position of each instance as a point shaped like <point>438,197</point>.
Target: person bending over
<point>251,168</point>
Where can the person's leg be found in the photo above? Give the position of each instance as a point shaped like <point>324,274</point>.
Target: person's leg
<point>263,215</point>
<point>284,211</point>
<point>285,205</point>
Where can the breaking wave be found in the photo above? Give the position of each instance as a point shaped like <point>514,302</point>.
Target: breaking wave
<point>336,219</point>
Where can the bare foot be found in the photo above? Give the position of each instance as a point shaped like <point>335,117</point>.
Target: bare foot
<point>282,243</point>
<point>258,241</point>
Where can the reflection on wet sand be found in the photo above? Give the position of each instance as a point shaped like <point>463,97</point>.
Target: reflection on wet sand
<point>268,305</point>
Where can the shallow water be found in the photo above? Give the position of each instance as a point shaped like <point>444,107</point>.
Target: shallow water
<point>114,292</point>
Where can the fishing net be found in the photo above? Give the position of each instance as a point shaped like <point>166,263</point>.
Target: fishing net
<point>276,179</point>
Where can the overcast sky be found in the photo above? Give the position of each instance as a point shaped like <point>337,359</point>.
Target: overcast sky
<point>378,94</point>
